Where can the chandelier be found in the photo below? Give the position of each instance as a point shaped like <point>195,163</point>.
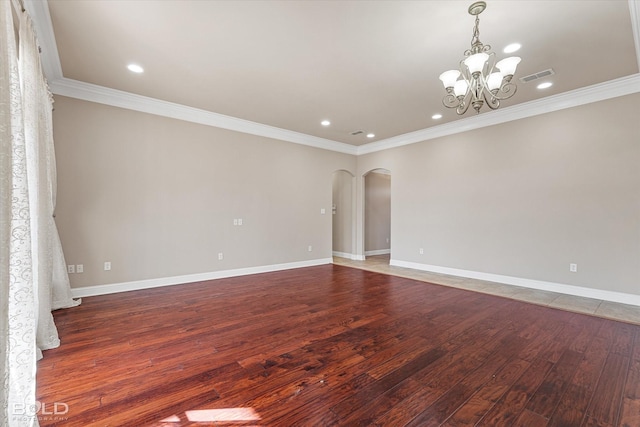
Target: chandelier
<point>479,83</point>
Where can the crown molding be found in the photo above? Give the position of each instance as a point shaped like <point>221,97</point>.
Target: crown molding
<point>103,95</point>
<point>599,92</point>
<point>117,98</point>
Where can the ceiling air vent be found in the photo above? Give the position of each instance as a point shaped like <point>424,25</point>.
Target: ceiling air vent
<point>537,76</point>
<point>356,132</point>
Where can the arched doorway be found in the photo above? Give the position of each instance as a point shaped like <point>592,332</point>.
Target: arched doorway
<point>377,213</point>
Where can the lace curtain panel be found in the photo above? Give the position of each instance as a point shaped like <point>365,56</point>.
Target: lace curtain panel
<point>33,278</point>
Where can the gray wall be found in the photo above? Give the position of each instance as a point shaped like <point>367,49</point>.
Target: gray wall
<point>525,198</point>
<point>343,216</point>
<point>157,197</point>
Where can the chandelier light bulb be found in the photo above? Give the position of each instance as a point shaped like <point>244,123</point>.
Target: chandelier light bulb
<point>508,65</point>
<point>460,88</point>
<point>494,81</point>
<point>475,63</point>
<point>449,78</point>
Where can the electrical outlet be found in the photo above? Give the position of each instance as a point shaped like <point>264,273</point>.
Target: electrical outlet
<point>239,221</point>
<point>107,265</point>
<point>421,251</point>
<point>235,221</point>
<point>220,256</point>
<point>573,268</point>
<point>310,248</point>
<point>323,211</point>
<point>79,268</point>
<point>71,269</point>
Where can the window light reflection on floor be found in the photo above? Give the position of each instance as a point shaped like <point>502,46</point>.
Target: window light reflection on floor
<point>224,414</point>
<point>220,415</point>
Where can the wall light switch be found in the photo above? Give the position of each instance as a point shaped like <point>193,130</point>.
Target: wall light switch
<point>80,268</point>
<point>71,269</point>
<point>323,211</point>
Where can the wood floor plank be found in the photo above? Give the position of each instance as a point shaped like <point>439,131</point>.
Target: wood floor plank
<point>454,397</point>
<point>547,396</point>
<point>334,346</point>
<point>470,412</point>
<point>630,415</point>
<point>508,408</point>
<point>623,339</point>
<point>572,406</point>
<point>607,398</point>
<point>438,380</point>
<point>394,374</point>
<point>530,419</point>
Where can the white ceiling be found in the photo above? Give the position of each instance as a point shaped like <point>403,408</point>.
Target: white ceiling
<point>364,65</point>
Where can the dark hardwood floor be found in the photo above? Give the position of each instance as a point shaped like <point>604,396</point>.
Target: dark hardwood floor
<point>332,345</point>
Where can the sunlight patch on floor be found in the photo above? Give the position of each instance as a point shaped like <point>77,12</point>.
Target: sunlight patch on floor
<point>222,415</point>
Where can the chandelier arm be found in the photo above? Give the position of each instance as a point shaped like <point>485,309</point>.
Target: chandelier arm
<point>490,65</point>
<point>492,101</point>
<point>506,91</point>
<point>479,86</point>
<point>450,101</point>
<point>478,93</point>
<point>463,107</point>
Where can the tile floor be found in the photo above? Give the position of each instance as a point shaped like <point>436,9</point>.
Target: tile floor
<point>600,308</point>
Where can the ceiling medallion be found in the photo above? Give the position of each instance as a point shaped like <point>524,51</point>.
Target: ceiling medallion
<point>479,83</point>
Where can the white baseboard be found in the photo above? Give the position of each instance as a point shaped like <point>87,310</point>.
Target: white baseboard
<point>348,256</point>
<point>378,252</point>
<point>113,288</point>
<point>579,291</point>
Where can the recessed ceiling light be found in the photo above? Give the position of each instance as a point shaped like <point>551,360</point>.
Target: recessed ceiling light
<point>370,135</point>
<point>512,48</point>
<point>436,116</point>
<point>325,123</point>
<point>135,68</point>
<point>544,85</point>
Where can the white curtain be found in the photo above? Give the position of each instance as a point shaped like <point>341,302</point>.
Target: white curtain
<point>38,134</point>
<point>32,275</point>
